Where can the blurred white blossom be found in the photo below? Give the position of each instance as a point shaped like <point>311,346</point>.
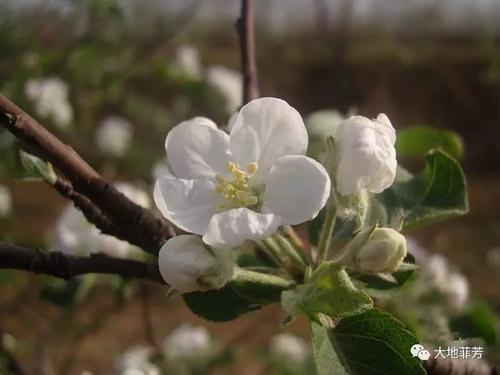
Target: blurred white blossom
<point>229,84</point>
<point>136,361</point>
<point>8,341</point>
<point>438,276</point>
<point>76,236</point>
<point>285,347</point>
<point>114,136</point>
<point>188,59</point>
<point>493,257</point>
<point>51,99</point>
<point>188,342</point>
<point>5,201</point>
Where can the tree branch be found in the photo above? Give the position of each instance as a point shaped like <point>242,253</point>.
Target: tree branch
<point>132,222</point>
<point>246,34</point>
<point>66,267</point>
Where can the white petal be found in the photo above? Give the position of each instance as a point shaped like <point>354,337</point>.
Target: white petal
<point>296,189</point>
<point>231,228</point>
<point>205,121</point>
<point>188,204</point>
<point>197,149</point>
<point>264,130</point>
<point>182,260</point>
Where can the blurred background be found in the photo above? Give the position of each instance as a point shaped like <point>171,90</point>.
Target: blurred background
<point>111,77</point>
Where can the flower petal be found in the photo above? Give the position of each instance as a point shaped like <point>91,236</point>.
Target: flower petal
<point>195,148</point>
<point>188,204</point>
<point>231,228</point>
<point>264,130</point>
<point>182,260</point>
<point>297,188</point>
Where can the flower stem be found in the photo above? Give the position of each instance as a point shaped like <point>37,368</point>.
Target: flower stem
<point>297,243</point>
<point>291,251</point>
<point>279,253</point>
<point>326,233</point>
<point>242,275</point>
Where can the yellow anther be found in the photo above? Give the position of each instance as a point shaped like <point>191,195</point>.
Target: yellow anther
<point>230,166</point>
<point>241,195</point>
<point>239,174</point>
<point>242,184</point>
<point>252,167</point>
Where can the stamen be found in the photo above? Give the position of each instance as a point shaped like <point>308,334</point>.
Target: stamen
<point>230,166</point>
<point>252,167</point>
<point>236,192</point>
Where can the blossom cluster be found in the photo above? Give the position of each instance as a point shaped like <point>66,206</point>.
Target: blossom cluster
<point>245,185</point>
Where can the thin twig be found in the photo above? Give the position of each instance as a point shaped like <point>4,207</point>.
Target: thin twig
<point>246,34</point>
<point>66,267</point>
<point>137,225</point>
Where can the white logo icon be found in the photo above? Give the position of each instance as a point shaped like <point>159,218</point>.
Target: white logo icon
<point>418,350</point>
<point>424,355</point>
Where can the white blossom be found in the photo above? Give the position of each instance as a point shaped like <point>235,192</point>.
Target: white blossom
<point>5,201</point>
<point>243,186</point>
<point>438,275</point>
<point>76,236</point>
<point>51,99</point>
<point>188,342</point>
<point>288,348</point>
<point>229,84</point>
<point>365,155</point>
<point>136,361</point>
<point>188,59</point>
<point>187,265</point>
<point>114,136</point>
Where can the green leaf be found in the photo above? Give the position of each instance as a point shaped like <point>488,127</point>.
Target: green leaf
<point>480,321</point>
<point>325,358</point>
<point>36,169</point>
<point>329,291</point>
<point>219,305</point>
<point>375,343</point>
<point>420,139</point>
<point>439,192</point>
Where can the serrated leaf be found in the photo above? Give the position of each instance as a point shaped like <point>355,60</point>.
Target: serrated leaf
<point>329,291</point>
<point>221,305</point>
<point>325,358</point>
<point>439,192</point>
<point>375,343</point>
<point>420,139</point>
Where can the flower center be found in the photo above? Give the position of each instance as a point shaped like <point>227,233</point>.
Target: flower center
<point>236,191</point>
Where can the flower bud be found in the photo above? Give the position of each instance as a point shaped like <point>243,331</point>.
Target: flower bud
<point>187,265</point>
<point>376,250</point>
<point>365,155</point>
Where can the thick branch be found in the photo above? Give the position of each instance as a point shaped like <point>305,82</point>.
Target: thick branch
<point>246,34</point>
<point>134,223</point>
<point>65,266</point>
